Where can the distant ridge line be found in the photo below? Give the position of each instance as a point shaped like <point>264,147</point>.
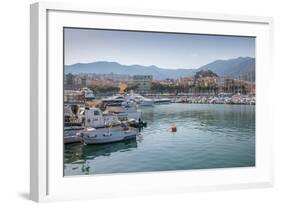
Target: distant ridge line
<point>232,67</point>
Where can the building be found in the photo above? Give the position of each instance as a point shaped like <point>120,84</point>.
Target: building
<point>248,76</point>
<point>74,97</point>
<point>84,81</point>
<point>74,82</point>
<point>69,79</point>
<point>143,83</point>
<point>232,85</point>
<point>217,85</point>
<point>70,82</point>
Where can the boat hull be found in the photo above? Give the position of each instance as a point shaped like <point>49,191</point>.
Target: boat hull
<point>146,103</point>
<point>162,101</point>
<point>70,135</point>
<point>94,137</point>
<point>72,139</point>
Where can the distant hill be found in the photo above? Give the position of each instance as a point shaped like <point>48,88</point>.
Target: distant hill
<point>231,67</point>
<point>104,67</point>
<point>205,73</point>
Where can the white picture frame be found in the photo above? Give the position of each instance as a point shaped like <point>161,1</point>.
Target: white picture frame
<point>46,178</point>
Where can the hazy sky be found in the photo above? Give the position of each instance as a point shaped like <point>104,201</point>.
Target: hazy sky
<point>164,50</point>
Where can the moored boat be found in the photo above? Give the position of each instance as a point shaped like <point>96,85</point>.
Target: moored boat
<point>162,101</point>
<point>105,128</point>
<point>139,99</point>
<point>120,106</point>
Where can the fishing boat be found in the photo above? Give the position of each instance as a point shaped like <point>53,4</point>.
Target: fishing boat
<point>105,128</point>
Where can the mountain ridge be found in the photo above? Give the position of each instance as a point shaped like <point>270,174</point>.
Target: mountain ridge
<point>231,67</point>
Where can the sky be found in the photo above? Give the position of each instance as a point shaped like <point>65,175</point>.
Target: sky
<point>165,50</point>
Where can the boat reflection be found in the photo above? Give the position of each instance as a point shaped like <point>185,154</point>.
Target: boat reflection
<point>93,151</point>
<point>79,153</point>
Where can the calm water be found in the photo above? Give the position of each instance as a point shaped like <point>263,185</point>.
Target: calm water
<point>208,136</point>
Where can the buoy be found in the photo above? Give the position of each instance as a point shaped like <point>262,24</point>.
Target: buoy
<point>174,128</point>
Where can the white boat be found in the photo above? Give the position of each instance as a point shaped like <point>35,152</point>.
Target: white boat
<point>121,114</point>
<point>129,98</point>
<point>146,102</point>
<point>162,101</point>
<point>132,110</point>
<point>104,128</point>
<point>140,100</point>
<point>107,135</point>
<point>120,107</point>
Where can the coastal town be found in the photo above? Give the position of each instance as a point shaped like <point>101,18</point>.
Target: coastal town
<point>112,104</point>
<point>204,87</point>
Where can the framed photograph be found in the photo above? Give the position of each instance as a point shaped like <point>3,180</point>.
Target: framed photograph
<point>130,102</point>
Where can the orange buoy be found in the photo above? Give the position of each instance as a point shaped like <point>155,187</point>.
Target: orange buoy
<point>174,128</point>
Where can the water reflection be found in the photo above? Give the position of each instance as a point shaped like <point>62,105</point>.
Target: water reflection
<point>93,151</point>
<point>79,153</point>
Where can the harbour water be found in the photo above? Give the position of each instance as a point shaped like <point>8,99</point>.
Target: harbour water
<point>208,136</point>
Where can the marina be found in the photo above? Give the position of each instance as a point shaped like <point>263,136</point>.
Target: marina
<point>118,110</point>
<point>110,120</point>
<point>208,136</point>
<point>218,99</point>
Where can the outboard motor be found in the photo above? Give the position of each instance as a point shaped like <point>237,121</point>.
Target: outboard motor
<point>144,124</point>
